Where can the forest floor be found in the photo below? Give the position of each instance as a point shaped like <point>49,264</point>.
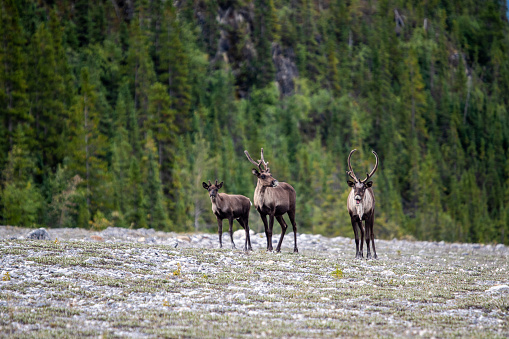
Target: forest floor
<point>136,283</point>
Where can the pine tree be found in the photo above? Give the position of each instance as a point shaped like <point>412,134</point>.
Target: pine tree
<point>266,30</point>
<point>127,118</point>
<point>161,120</point>
<point>87,145</point>
<point>49,87</point>
<point>136,215</point>
<point>21,199</point>
<point>157,216</point>
<point>83,22</point>
<point>122,153</point>
<point>13,99</point>
<point>174,67</point>
<point>140,70</point>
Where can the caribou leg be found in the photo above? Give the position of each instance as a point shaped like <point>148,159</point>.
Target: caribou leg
<point>368,232</point>
<point>244,223</point>
<point>230,221</point>
<point>264,219</point>
<point>220,231</point>
<point>373,238</point>
<point>271,228</point>
<point>361,227</point>
<point>357,226</point>
<point>248,236</point>
<point>281,222</point>
<point>291,214</point>
<point>356,233</point>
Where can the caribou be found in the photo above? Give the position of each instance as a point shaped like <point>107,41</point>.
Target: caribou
<point>273,198</point>
<point>361,206</point>
<point>229,206</point>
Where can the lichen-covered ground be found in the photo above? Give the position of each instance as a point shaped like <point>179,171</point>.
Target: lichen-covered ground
<point>118,286</point>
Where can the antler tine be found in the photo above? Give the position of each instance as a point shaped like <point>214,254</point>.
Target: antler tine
<point>374,168</point>
<point>257,164</point>
<point>265,163</point>
<point>217,182</point>
<point>351,172</point>
<point>210,184</point>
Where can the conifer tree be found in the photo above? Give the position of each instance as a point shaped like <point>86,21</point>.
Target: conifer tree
<point>13,98</point>
<point>49,89</point>
<point>174,67</point>
<point>266,32</point>
<point>156,209</point>
<point>87,146</point>
<point>136,215</point>
<point>161,120</point>
<point>21,199</point>
<point>140,69</point>
<point>122,153</point>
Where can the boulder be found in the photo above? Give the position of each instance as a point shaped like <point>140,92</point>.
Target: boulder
<point>40,234</point>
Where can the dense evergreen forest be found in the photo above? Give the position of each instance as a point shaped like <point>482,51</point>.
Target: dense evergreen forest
<point>114,112</point>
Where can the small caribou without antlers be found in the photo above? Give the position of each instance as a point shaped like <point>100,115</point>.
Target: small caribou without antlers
<point>273,198</point>
<point>228,206</point>
<point>361,206</point>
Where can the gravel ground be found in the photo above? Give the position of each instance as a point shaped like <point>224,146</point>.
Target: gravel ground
<point>143,283</point>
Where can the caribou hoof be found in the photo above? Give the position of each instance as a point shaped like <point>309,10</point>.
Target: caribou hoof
<point>295,250</point>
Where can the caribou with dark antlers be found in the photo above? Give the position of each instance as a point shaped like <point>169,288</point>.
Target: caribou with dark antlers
<point>273,198</point>
<point>229,206</point>
<point>361,206</point>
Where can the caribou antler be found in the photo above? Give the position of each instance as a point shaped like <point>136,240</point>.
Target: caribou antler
<point>351,172</point>
<point>257,164</point>
<point>374,168</point>
<point>265,163</point>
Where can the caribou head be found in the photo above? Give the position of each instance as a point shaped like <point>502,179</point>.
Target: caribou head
<point>265,179</point>
<point>359,186</point>
<point>213,189</point>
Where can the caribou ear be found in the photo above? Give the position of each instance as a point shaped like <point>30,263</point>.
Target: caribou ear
<point>369,184</point>
<point>205,185</point>
<point>220,185</point>
<point>255,172</point>
<point>350,183</point>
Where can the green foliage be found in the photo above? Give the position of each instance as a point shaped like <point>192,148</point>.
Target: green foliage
<point>337,273</point>
<point>114,116</point>
<point>178,271</point>
<point>21,204</point>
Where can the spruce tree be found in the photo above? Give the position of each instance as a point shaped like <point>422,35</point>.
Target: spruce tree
<point>13,99</point>
<point>156,207</point>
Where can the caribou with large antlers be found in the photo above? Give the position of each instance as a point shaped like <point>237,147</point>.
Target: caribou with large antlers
<point>273,198</point>
<point>361,206</point>
<point>229,206</point>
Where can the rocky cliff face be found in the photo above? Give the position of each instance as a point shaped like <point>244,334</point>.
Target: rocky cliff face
<point>286,69</point>
<point>236,50</point>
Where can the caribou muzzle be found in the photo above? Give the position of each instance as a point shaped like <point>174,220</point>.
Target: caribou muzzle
<point>275,183</point>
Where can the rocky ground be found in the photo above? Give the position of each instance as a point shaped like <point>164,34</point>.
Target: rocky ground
<point>142,283</point>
